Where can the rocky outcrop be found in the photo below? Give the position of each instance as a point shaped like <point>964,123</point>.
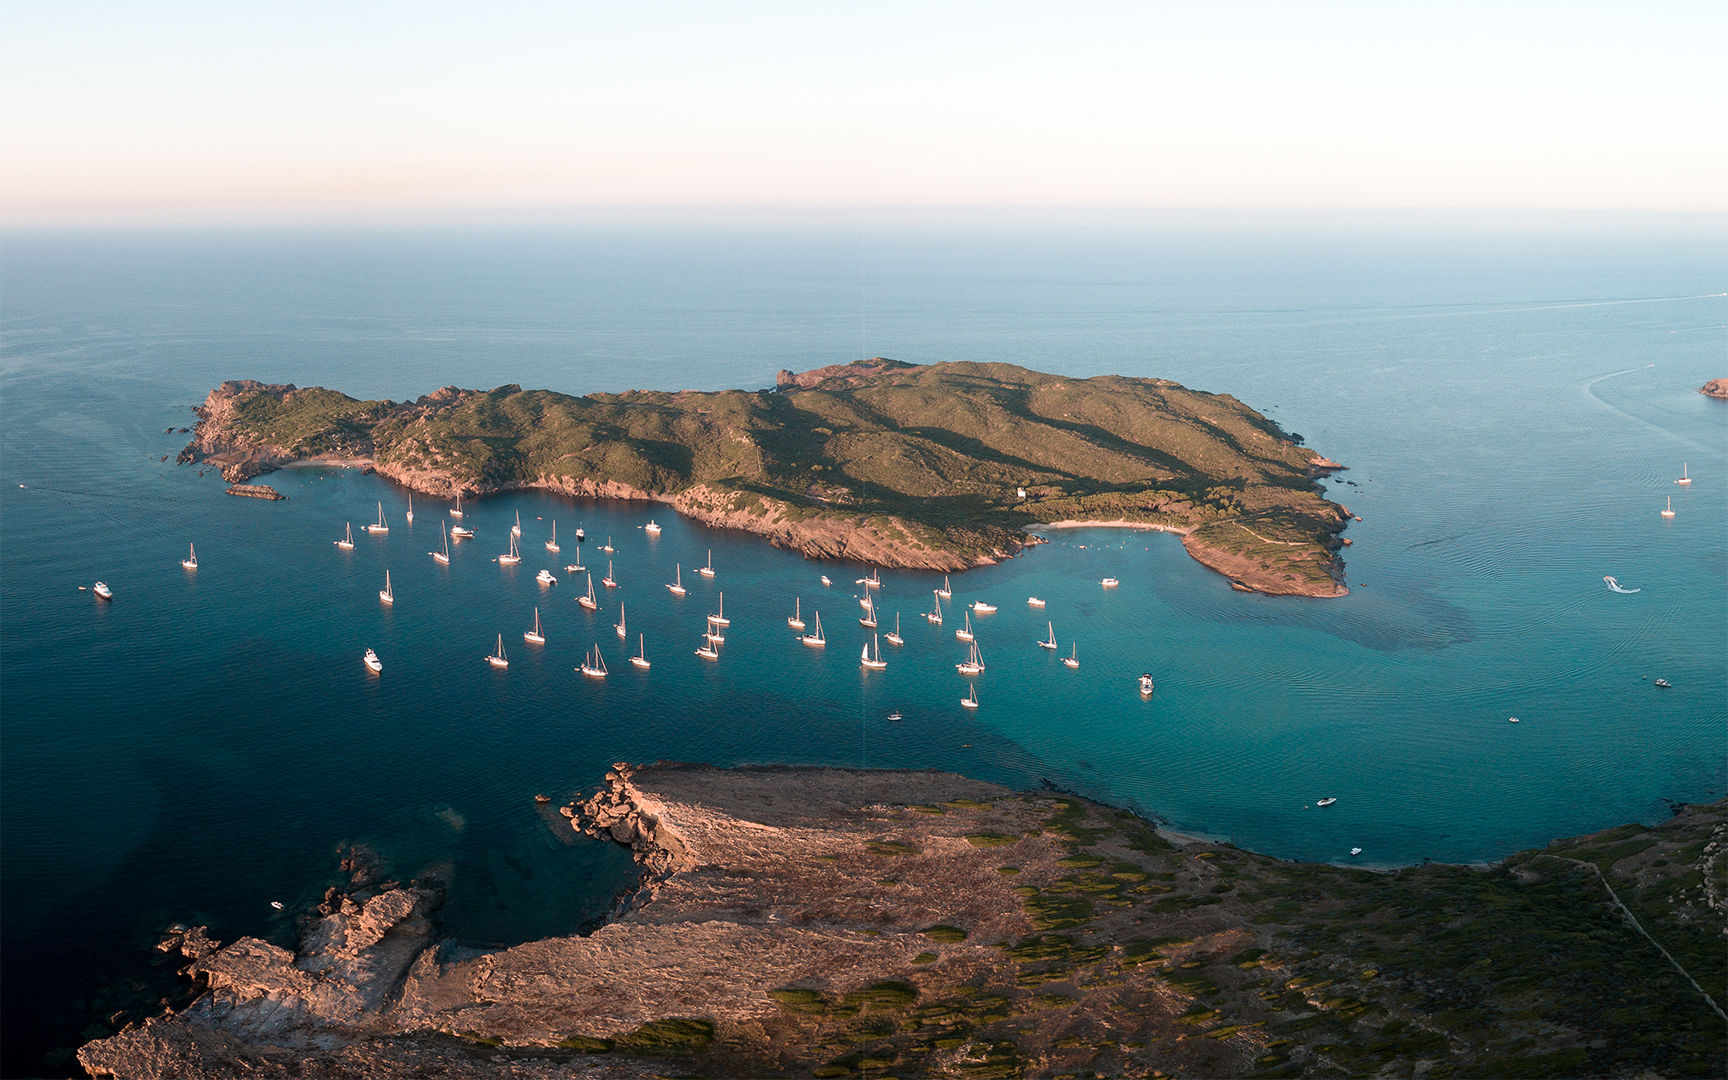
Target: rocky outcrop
<point>853,374</point>
<point>219,442</point>
<point>1716,388</point>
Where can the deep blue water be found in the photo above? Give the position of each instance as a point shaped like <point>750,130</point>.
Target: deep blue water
<point>1513,409</point>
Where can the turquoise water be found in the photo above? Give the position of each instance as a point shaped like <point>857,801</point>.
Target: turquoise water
<point>1513,410</point>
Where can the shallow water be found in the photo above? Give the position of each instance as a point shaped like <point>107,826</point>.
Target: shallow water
<point>1513,413</point>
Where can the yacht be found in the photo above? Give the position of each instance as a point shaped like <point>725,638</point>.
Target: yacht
<point>1670,511</point>
<point>872,659</point>
<point>620,624</point>
<point>719,618</point>
<point>869,619</point>
<point>982,608</point>
<point>609,581</point>
<point>677,587</point>
<point>606,547</point>
<point>1355,851</point>
<point>190,562</point>
<point>971,698</point>
<point>371,661</point>
<point>965,632</point>
<point>461,532</point>
<point>552,544</point>
<point>874,581</point>
<point>456,511</point>
<point>1664,682</point>
<point>380,527</point>
<point>347,541</point>
<point>815,638</point>
<point>545,577</point>
<point>1109,583</point>
<point>588,601</point>
<point>651,528</point>
<point>935,613</point>
<point>641,657</point>
<point>1327,801</point>
<point>946,592</point>
<point>498,658</point>
<point>581,534</point>
<point>592,665</point>
<point>974,661</point>
<point>410,508</point>
<point>825,581</point>
<point>1049,642</point>
<point>1685,477</point>
<point>387,594</point>
<point>708,651</point>
<point>516,529</point>
<point>796,622</point>
<point>536,635</point>
<point>443,556</point>
<point>707,571</point>
<point>101,589</point>
<point>895,638</point>
<point>1033,601</point>
<point>1146,684</point>
<point>712,632</point>
<point>511,557</point>
<point>1073,657</point>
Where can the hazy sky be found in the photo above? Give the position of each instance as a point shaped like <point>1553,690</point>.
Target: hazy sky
<point>175,110</point>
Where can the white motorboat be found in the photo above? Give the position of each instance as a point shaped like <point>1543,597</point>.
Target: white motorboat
<point>982,608</point>
<point>641,657</point>
<point>896,716</point>
<point>1669,512</point>
<point>946,592</point>
<point>545,577</point>
<point>1511,719</point>
<point>796,622</point>
<point>895,638</point>
<point>102,590</point>
<point>461,532</point>
<point>1685,477</point>
<point>1327,801</point>
<point>965,632</point>
<point>498,659</point>
<point>387,594</point>
<point>516,529</point>
<point>1109,583</point>
<point>456,511</point>
<point>536,635</point>
<point>1049,642</point>
<point>607,546</point>
<point>443,556</point>
<point>707,571</point>
<point>815,638</point>
<point>380,527</point>
<point>609,581</point>
<point>190,562</point>
<point>825,581</point>
<point>935,613</point>
<point>1146,684</point>
<point>581,535</point>
<point>588,601</point>
<point>869,619</point>
<point>1033,601</point>
<point>1663,683</point>
<point>1615,585</point>
<point>552,544</point>
<point>970,701</point>
<point>371,660</point>
<point>1355,851</point>
<point>872,659</point>
<point>410,508</point>
<point>719,618</point>
<point>1073,658</point>
<point>651,528</point>
<point>511,557</point>
<point>974,662</point>
<point>677,587</point>
<point>593,665</point>
<point>347,540</point>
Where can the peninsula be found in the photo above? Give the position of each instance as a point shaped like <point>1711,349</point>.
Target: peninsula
<point>938,467</point>
<point>840,923</point>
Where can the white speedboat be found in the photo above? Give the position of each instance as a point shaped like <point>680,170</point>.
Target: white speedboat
<point>410,508</point>
<point>1050,641</point>
<point>589,601</point>
<point>592,665</point>
<point>974,662</point>
<point>825,581</point>
<point>965,632</point>
<point>461,532</point>
<point>1073,658</point>
<point>895,638</point>
<point>347,540</point>
<point>707,571</point>
<point>935,613</point>
<point>1685,477</point>
<point>387,594</point>
<point>814,638</point>
<point>511,557</point>
<point>719,618</point>
<point>1033,601</point>
<point>190,562</point>
<point>970,701</point>
<point>536,635</point>
<point>1669,512</point>
<point>946,592</point>
<point>982,608</point>
<point>380,527</point>
<point>101,589</point>
<point>1615,585</point>
<point>651,529</point>
<point>1663,683</point>
<point>872,657</point>
<point>516,529</point>
<point>552,544</point>
<point>677,587</point>
<point>581,535</point>
<point>545,577</point>
<point>796,622</point>
<point>1146,685</point>
<point>443,556</point>
<point>498,659</point>
<point>1109,583</point>
<point>371,661</point>
<point>1327,801</point>
<point>1355,851</point>
<point>609,581</point>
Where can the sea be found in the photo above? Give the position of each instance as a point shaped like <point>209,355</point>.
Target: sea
<point>1513,408</point>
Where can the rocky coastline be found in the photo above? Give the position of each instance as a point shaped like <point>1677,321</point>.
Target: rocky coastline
<point>1716,388</point>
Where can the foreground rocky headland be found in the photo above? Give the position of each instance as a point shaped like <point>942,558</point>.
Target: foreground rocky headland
<point>936,467</point>
<point>837,923</point>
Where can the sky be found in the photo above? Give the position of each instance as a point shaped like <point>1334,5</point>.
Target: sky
<point>184,111</point>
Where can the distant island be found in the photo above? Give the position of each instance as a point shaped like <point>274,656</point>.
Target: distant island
<point>845,923</point>
<point>938,467</point>
<point>1716,388</point>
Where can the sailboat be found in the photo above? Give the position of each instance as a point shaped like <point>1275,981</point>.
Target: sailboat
<point>592,665</point>
<point>677,587</point>
<point>935,613</point>
<point>641,657</point>
<point>1049,642</point>
<point>516,529</point>
<point>895,638</point>
<point>498,659</point>
<point>513,556</point>
<point>707,571</point>
<point>609,581</point>
<point>443,556</point>
<point>347,540</point>
<point>946,592</point>
<point>372,662</point>
<point>456,511</point>
<point>1685,477</point>
<point>588,601</point>
<point>410,508</point>
<point>869,619</point>
<point>651,528</point>
<point>719,618</point>
<point>619,625</point>
<point>712,632</point>
<point>387,594</point>
<point>536,635</point>
<point>815,638</point>
<point>971,698</point>
<point>607,547</point>
<point>380,527</point>
<point>576,567</point>
<point>796,622</point>
<point>965,632</point>
<point>190,562</point>
<point>873,660</point>
<point>1670,511</point>
<point>874,581</point>
<point>1073,658</point>
<point>974,662</point>
<point>708,650</point>
<point>552,544</point>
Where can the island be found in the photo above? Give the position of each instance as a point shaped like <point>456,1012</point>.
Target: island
<point>847,923</point>
<point>937,467</point>
<point>1716,388</point>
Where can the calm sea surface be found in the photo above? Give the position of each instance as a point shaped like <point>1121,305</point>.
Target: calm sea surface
<point>1513,411</point>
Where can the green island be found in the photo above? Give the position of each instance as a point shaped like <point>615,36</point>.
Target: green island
<point>939,467</point>
<point>812,922</point>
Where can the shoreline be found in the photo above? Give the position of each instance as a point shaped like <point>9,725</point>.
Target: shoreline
<point>1119,523</point>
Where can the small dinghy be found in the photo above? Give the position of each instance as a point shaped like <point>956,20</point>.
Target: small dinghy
<point>1327,801</point>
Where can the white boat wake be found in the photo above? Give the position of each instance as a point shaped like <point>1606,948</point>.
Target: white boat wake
<point>1615,585</point>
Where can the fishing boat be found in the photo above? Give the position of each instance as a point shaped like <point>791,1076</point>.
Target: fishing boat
<point>347,540</point>
<point>815,638</point>
<point>971,698</point>
<point>1073,657</point>
<point>1050,641</point>
<point>1327,801</point>
<point>1033,601</point>
<point>641,657</point>
<point>1669,512</point>
<point>410,508</point>
<point>536,635</point>
<point>719,618</point>
<point>443,556</point>
<point>456,511</point>
<point>708,651</point>
<point>965,632</point>
<point>872,656</point>
<point>1685,477</point>
<point>895,638</point>
<point>1146,684</point>
<point>935,613</point>
<point>498,659</point>
<point>620,624</point>
<point>552,544</point>
<point>712,632</point>
<point>516,529</point>
<point>677,587</point>
<point>190,562</point>
<point>461,532</point>
<point>1664,682</point>
<point>609,581</point>
<point>874,581</point>
<point>371,661</point>
<point>102,590</point>
<point>511,557</point>
<point>588,601</point>
<point>606,547</point>
<point>707,571</point>
<point>974,662</point>
<point>1109,583</point>
<point>545,577</point>
<point>825,581</point>
<point>593,665</point>
<point>651,528</point>
<point>946,592</point>
<point>982,608</point>
<point>796,622</point>
<point>581,535</point>
<point>869,619</point>
<point>387,594</point>
<point>380,527</point>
